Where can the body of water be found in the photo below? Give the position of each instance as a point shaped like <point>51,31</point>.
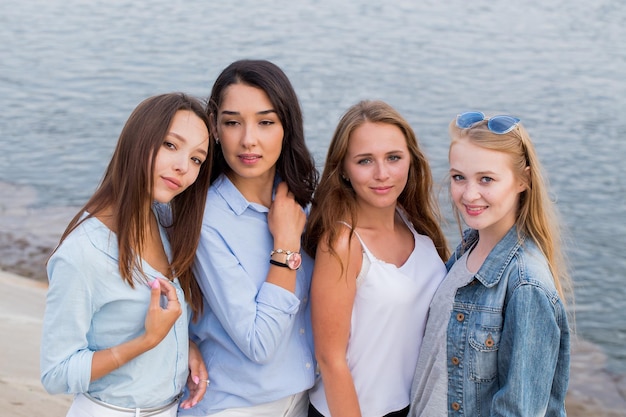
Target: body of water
<point>72,71</point>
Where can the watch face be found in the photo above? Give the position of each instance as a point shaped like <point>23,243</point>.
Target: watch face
<point>294,260</point>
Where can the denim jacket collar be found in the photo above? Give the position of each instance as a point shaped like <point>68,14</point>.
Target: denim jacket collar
<point>492,269</point>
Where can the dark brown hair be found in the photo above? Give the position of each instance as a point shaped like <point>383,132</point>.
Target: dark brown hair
<point>295,165</point>
<point>127,188</point>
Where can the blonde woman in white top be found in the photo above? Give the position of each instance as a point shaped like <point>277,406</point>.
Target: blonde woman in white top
<point>379,253</point>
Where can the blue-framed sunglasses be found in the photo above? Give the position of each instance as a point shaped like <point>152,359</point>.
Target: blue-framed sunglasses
<point>499,125</point>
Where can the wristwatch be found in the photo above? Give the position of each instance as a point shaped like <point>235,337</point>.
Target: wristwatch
<point>286,259</point>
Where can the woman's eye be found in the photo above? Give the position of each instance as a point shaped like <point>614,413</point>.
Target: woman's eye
<point>169,145</point>
<point>230,122</point>
<point>197,161</point>
<point>457,177</point>
<point>267,122</point>
<point>394,158</point>
<point>364,161</point>
<point>486,179</point>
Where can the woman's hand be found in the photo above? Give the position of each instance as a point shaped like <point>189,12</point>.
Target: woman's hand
<point>286,220</point>
<point>198,379</point>
<point>160,320</point>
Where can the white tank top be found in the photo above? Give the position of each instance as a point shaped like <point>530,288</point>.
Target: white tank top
<point>387,326</point>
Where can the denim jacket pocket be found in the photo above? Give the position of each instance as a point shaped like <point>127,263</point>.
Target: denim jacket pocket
<point>484,343</point>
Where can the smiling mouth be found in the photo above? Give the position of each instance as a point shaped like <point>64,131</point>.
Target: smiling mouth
<point>475,209</point>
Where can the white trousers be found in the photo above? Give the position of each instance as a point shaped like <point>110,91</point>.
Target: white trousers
<point>85,407</point>
<point>296,405</point>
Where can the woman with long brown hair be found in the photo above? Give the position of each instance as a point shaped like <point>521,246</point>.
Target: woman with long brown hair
<point>379,253</point>
<point>115,330</point>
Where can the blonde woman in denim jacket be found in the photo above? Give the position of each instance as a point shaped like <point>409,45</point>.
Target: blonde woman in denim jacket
<point>497,338</point>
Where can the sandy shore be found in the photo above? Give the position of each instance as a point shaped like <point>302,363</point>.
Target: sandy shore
<point>22,304</point>
<point>593,390</point>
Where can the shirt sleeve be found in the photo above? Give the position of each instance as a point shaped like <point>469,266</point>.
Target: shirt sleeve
<point>528,354</point>
<point>255,318</point>
<point>65,357</point>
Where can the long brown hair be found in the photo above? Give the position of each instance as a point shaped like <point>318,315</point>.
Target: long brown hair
<point>537,216</point>
<point>335,200</point>
<point>127,186</point>
<point>295,165</point>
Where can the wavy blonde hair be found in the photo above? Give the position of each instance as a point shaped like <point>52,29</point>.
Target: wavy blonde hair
<point>537,216</point>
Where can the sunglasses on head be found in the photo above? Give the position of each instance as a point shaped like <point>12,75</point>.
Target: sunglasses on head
<point>499,125</point>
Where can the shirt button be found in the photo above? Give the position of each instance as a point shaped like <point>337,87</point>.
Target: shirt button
<point>308,365</point>
<point>460,317</point>
<point>305,299</point>
<point>456,406</point>
<point>302,330</point>
<point>489,342</point>
<point>455,361</point>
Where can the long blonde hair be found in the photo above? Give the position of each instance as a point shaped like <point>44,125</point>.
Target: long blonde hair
<point>537,216</point>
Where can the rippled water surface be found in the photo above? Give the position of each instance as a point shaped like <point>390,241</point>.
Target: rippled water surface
<point>71,71</point>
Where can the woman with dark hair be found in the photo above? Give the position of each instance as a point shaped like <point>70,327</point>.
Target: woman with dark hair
<point>115,331</point>
<point>255,333</point>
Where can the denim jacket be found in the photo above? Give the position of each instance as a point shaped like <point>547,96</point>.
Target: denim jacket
<point>508,338</point>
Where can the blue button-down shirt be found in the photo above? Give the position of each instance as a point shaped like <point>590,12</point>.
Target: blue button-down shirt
<point>90,308</point>
<point>255,337</point>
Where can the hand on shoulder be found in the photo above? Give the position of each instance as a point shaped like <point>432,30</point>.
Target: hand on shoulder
<point>286,219</point>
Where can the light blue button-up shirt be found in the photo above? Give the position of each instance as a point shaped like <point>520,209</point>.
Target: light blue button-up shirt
<point>255,337</point>
<point>89,308</point>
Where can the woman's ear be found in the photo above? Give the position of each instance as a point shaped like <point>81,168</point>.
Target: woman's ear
<point>525,182</point>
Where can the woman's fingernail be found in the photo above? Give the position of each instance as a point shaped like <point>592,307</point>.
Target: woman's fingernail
<point>196,380</point>
<point>155,284</point>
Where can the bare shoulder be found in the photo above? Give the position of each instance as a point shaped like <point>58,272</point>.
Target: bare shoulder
<point>345,243</point>
<point>345,257</point>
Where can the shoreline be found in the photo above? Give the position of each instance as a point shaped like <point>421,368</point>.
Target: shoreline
<point>593,390</point>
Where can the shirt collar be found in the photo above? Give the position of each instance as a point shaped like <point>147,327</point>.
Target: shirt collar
<point>102,238</point>
<point>235,200</point>
<point>500,256</point>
